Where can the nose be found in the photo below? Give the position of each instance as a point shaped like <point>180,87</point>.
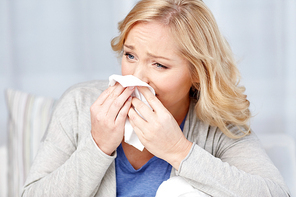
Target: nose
<point>141,72</point>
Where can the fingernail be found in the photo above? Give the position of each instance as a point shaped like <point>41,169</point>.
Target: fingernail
<point>130,98</point>
<point>131,87</point>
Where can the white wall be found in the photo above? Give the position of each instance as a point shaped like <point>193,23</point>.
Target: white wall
<point>46,46</point>
<point>262,35</point>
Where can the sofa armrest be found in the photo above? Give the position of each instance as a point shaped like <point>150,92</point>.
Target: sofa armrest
<point>3,171</point>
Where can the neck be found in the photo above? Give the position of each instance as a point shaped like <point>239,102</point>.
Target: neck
<point>180,114</point>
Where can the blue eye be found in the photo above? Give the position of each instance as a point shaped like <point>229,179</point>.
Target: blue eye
<point>129,56</point>
<point>160,65</point>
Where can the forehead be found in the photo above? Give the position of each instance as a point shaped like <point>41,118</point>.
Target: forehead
<point>154,33</point>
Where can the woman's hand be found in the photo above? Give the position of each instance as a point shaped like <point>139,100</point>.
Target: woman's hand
<point>108,115</point>
<point>159,132</point>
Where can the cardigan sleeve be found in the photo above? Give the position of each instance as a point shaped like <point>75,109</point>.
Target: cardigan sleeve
<point>238,168</point>
<point>68,162</point>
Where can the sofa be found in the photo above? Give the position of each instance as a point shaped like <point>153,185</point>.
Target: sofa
<point>28,117</point>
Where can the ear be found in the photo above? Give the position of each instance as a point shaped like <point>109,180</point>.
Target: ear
<point>195,82</point>
<point>195,90</point>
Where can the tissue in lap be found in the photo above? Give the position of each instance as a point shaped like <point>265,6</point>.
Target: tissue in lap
<point>177,187</point>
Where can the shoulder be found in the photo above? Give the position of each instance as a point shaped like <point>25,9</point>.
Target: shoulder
<point>79,98</point>
<point>72,111</point>
<point>96,87</point>
<point>211,138</point>
<point>85,90</point>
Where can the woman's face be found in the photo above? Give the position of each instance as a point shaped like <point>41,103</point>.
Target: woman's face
<point>150,53</point>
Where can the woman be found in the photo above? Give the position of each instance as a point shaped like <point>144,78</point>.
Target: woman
<point>197,128</point>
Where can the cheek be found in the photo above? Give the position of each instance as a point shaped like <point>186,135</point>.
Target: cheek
<point>176,84</point>
<point>166,90</point>
<point>173,89</point>
<point>124,68</point>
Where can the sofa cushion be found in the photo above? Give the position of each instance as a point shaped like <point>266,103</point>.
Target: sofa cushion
<point>28,117</point>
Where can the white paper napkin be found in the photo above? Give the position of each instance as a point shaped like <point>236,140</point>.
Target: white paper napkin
<point>177,187</point>
<point>130,136</point>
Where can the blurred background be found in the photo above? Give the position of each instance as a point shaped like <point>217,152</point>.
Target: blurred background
<point>47,46</point>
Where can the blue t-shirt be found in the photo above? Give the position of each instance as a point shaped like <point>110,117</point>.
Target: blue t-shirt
<point>144,181</point>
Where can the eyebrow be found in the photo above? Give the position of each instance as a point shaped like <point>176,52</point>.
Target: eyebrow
<point>129,46</point>
<point>149,54</point>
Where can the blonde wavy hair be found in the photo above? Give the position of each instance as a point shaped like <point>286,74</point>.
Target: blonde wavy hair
<point>221,101</point>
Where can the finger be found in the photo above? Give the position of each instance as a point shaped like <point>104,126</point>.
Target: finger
<point>136,121</point>
<point>106,98</point>
<point>118,89</point>
<point>119,102</point>
<point>123,113</point>
<point>142,108</point>
<point>150,97</point>
<point>101,99</point>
